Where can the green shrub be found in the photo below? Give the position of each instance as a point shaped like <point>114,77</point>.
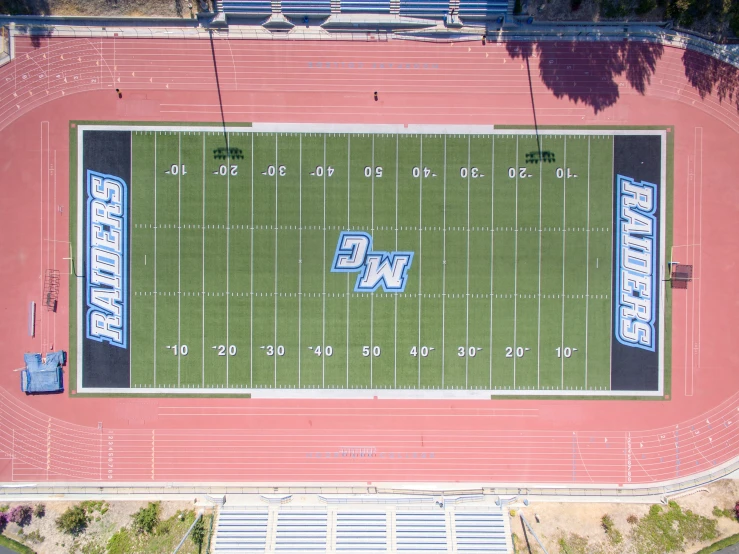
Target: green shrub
<point>197,535</point>
<point>121,542</point>
<point>39,510</point>
<point>663,531</point>
<point>4,508</point>
<point>146,519</point>
<point>723,543</point>
<point>645,6</point>
<point>73,521</point>
<point>35,537</point>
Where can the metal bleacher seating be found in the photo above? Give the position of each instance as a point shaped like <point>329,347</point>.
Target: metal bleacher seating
<point>480,532</point>
<point>424,8</point>
<point>247,7</point>
<point>241,530</point>
<point>365,6</point>
<point>420,531</point>
<point>365,531</point>
<point>301,531</point>
<point>307,7</point>
<point>482,8</point>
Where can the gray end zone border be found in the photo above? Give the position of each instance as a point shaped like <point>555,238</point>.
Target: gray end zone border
<point>372,129</point>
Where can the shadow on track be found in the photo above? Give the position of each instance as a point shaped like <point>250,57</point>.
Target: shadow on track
<point>707,74</point>
<point>586,72</point>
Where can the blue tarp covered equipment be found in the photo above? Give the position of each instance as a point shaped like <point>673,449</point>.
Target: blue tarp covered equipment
<point>43,375</point>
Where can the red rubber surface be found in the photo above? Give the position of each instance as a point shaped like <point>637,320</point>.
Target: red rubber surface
<point>57,438</point>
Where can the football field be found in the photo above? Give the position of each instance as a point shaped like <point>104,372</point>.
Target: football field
<point>271,260</point>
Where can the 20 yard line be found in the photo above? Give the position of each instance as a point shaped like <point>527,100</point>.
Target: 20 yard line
<point>564,256</point>
<point>228,245</point>
<point>538,318</point>
<point>515,273</point>
<point>179,255</point>
<point>587,271</point>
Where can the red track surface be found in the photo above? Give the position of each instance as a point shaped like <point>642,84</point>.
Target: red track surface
<point>57,438</point>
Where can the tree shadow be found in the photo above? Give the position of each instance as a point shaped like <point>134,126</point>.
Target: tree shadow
<point>24,7</point>
<point>35,33</point>
<point>586,72</point>
<point>707,74</point>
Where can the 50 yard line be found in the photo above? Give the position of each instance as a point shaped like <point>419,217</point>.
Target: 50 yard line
<point>155,259</point>
<point>372,228</point>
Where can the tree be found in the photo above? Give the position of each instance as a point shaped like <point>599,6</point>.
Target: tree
<point>20,515</point>
<point>146,519</point>
<point>73,521</point>
<point>198,532</point>
<point>39,510</point>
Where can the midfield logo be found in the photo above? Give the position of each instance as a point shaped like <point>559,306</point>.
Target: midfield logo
<point>354,254</point>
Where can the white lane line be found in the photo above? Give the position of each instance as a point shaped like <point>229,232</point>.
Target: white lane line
<point>203,280</point>
<point>397,162</point>
<point>155,258</point>
<point>587,272</point>
<point>251,275</point>
<point>277,173</point>
<point>515,272</point>
<point>467,293</point>
<point>492,241</point>
<point>564,257</point>
<point>300,253</point>
<point>179,255</point>
<point>443,279</point>
<point>323,312</point>
<point>538,317</point>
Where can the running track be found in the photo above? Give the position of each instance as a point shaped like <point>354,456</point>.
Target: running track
<point>62,438</point>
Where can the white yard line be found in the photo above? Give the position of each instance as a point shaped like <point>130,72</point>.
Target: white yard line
<point>251,275</point>
<point>397,162</point>
<point>420,253</point>
<point>515,273</point>
<point>277,173</point>
<point>323,309</point>
<point>155,259</point>
<point>228,248</point>
<point>443,279</point>
<point>492,240</point>
<point>372,230</point>
<point>202,291</point>
<point>467,291</point>
<point>300,254</point>
<point>179,255</point>
<point>538,317</point>
<point>348,210</point>
<point>564,257</point>
<point>587,272</point>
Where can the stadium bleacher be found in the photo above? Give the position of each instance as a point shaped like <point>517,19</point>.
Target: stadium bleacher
<point>241,530</point>
<point>478,9</point>
<point>480,532</point>
<point>421,531</point>
<point>320,8</point>
<point>300,531</point>
<point>365,6</point>
<point>424,8</point>
<point>247,7</point>
<point>365,531</point>
<point>482,8</point>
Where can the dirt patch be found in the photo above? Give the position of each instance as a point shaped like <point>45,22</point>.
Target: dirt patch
<point>556,519</point>
<point>98,531</point>
<point>111,8</point>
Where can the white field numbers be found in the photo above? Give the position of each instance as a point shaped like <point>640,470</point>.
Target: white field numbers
<point>470,352</point>
<point>272,350</point>
<point>175,169</point>
<point>369,171</point>
<point>178,349</point>
<point>472,172</point>
<point>224,170</point>
<point>272,170</point>
<point>417,172</point>
<point>374,350</point>
<point>222,349</point>
<point>520,351</point>
<point>423,351</point>
<point>567,351</point>
<point>327,351</point>
<point>319,171</point>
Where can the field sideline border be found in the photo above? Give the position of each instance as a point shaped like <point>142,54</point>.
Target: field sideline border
<point>77,127</point>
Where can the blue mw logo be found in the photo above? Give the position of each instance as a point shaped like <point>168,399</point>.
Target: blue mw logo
<point>387,269</point>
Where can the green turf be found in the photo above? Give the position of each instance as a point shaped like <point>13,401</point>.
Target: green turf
<point>271,287</point>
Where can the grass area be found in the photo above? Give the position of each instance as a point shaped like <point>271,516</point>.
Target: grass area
<point>718,545</point>
<point>15,546</point>
<point>164,537</point>
<point>230,262</point>
<point>663,531</point>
